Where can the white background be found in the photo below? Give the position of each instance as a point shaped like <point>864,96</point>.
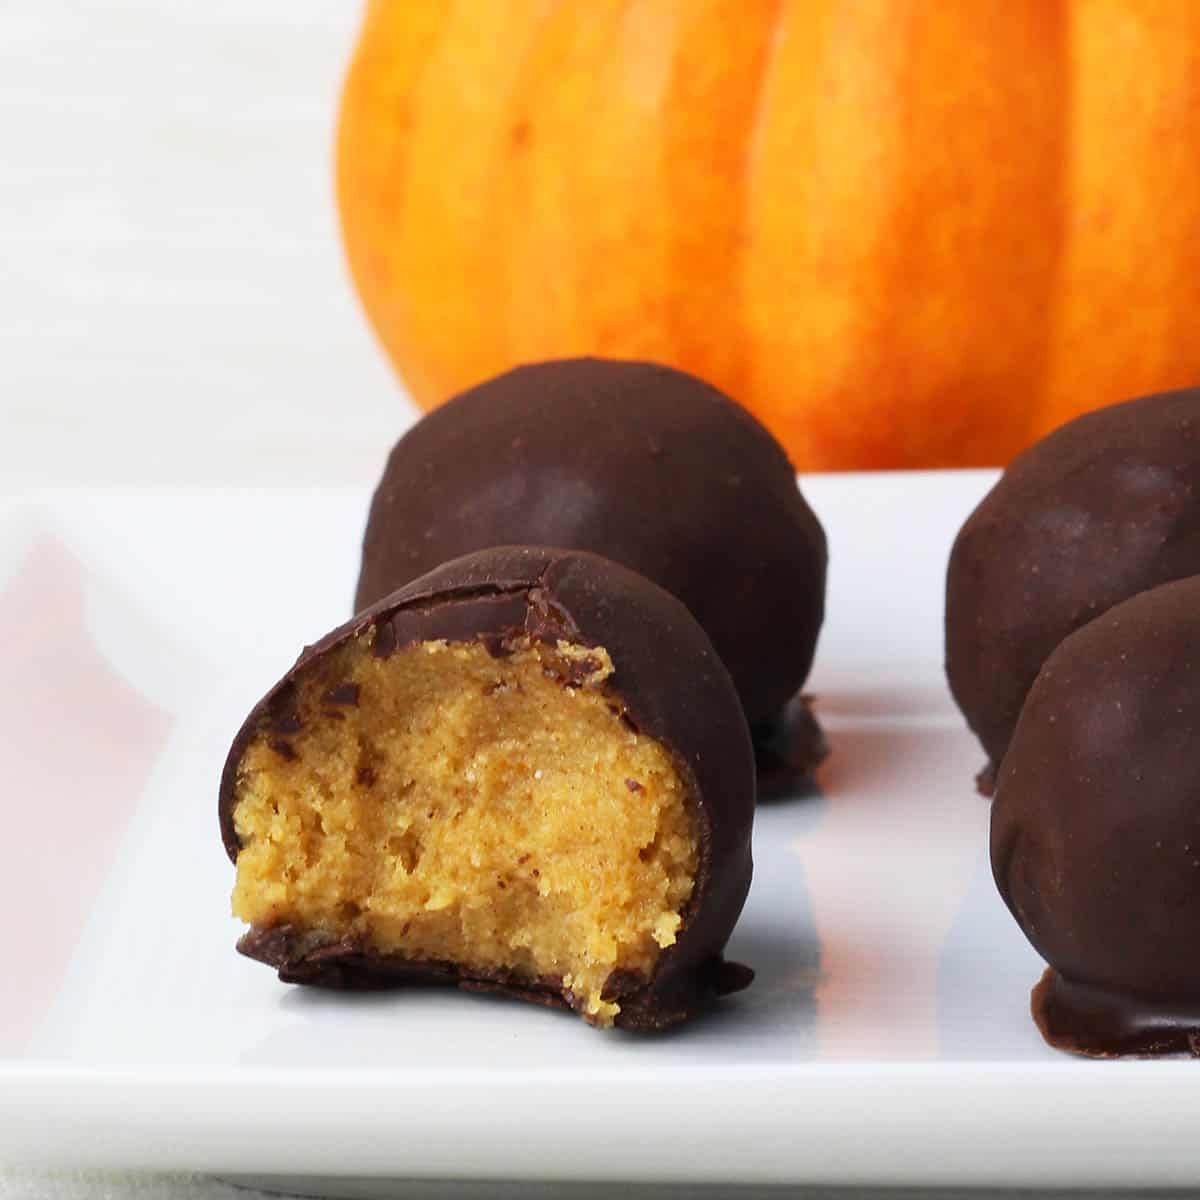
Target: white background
<point>174,305</point>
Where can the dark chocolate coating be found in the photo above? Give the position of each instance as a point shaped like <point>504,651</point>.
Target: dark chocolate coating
<point>1101,509</point>
<point>1096,828</point>
<point>640,463</point>
<point>671,686</point>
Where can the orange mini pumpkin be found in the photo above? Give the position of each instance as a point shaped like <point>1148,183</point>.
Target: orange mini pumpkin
<point>902,234</point>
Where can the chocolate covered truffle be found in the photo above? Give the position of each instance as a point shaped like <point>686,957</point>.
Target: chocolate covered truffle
<point>640,463</point>
<point>1096,829</point>
<point>527,771</point>
<point>1101,509</point>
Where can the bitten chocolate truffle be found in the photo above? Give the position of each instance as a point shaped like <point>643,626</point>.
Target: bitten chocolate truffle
<point>640,463</point>
<point>1101,509</point>
<point>1096,829</point>
<point>527,771</point>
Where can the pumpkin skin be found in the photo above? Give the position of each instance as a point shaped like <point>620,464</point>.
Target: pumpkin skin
<point>901,235</point>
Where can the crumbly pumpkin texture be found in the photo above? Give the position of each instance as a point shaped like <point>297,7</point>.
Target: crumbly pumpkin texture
<point>446,804</point>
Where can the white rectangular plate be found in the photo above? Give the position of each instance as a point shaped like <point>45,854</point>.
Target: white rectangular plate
<point>887,1036</point>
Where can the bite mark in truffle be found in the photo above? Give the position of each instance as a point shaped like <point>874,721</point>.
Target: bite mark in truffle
<point>493,839</point>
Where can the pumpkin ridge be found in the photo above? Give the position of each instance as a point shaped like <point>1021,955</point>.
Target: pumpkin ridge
<point>1127,286</point>
<point>965,255</point>
<point>714,100</point>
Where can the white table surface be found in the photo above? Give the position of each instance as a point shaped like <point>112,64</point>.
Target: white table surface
<point>173,302</point>
<point>100,1185</point>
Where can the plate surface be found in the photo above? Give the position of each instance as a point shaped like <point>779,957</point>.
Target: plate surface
<point>886,1039</point>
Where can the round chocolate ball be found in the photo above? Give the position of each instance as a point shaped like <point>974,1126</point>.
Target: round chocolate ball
<point>1096,828</point>
<point>526,772</point>
<point>640,463</point>
<point>1101,509</point>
